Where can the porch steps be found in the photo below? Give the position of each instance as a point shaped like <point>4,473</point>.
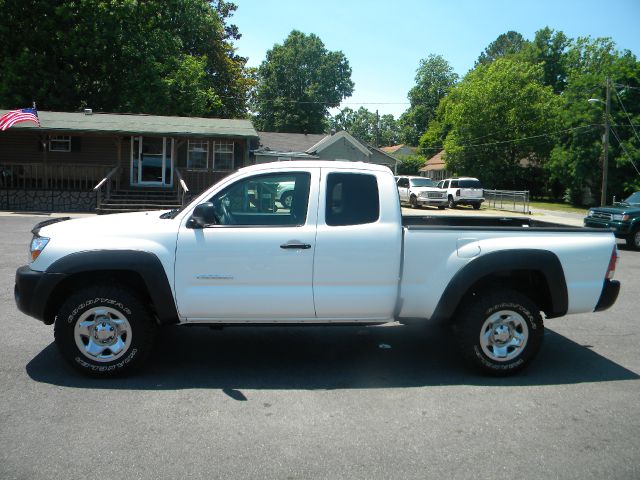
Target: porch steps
<point>121,201</point>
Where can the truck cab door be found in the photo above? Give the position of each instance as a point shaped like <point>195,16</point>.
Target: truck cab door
<point>255,260</point>
<point>358,249</point>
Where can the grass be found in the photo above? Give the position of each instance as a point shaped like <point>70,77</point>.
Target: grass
<point>558,207</point>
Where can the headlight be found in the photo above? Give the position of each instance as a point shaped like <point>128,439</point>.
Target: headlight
<point>37,245</point>
<point>423,194</point>
<point>619,217</point>
<point>590,213</point>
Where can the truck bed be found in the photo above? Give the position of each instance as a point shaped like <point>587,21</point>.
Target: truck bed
<point>415,222</point>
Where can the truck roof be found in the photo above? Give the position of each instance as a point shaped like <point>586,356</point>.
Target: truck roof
<point>337,164</point>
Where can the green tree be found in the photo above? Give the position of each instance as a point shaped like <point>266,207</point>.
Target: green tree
<point>575,167</point>
<point>297,84</point>
<point>550,48</point>
<point>486,118</point>
<point>506,44</point>
<point>366,126</point>
<point>157,57</point>
<point>411,164</point>
<point>434,79</point>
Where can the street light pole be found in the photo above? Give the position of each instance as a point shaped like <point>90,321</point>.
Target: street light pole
<point>605,145</point>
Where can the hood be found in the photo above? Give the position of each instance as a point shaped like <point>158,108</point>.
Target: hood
<point>618,209</point>
<point>118,222</point>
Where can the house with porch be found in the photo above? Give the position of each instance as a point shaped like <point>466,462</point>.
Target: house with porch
<point>81,161</point>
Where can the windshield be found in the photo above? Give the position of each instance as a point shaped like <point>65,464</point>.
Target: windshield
<point>633,199</point>
<point>468,183</point>
<point>422,182</point>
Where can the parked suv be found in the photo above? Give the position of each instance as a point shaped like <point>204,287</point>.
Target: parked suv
<point>463,191</point>
<point>621,217</point>
<point>419,191</point>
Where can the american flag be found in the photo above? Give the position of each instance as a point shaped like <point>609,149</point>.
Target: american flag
<point>9,119</point>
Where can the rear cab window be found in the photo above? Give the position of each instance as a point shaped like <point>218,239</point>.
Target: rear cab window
<point>351,199</point>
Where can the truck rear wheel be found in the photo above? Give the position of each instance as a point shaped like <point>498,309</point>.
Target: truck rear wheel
<point>499,332</point>
<point>104,331</point>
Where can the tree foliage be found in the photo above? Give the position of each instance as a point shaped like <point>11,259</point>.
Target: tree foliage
<point>161,57</point>
<point>297,84</point>
<point>491,106</point>
<point>411,164</point>
<point>434,78</point>
<point>506,44</point>
<point>366,126</point>
<point>575,165</point>
<point>520,119</point>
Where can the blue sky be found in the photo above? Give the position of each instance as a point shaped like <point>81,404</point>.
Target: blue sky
<point>385,40</point>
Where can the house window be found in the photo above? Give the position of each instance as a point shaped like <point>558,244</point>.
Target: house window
<point>223,155</point>
<point>59,143</point>
<point>197,155</point>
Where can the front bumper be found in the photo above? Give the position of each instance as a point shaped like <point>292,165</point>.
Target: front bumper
<point>609,295</point>
<point>620,229</point>
<point>33,290</point>
<point>432,202</point>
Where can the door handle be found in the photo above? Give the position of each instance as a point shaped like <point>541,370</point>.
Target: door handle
<point>295,245</point>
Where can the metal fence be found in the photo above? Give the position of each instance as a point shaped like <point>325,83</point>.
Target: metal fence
<point>511,200</point>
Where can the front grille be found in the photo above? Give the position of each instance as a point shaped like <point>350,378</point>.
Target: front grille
<point>435,195</point>
<point>601,215</point>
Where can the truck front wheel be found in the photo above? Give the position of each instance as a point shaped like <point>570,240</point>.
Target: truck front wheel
<point>104,331</point>
<point>633,240</point>
<point>451,203</point>
<point>499,332</point>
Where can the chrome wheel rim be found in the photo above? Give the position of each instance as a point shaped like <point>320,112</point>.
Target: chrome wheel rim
<point>286,203</point>
<point>636,239</point>
<point>504,335</point>
<point>102,334</point>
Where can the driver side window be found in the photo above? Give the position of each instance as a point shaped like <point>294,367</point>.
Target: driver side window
<point>276,199</point>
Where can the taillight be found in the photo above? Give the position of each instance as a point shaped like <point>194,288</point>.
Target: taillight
<point>611,269</point>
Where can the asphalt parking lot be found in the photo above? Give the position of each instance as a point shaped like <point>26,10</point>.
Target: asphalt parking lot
<point>317,402</point>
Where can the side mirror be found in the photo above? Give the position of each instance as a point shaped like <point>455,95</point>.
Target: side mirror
<point>203,215</point>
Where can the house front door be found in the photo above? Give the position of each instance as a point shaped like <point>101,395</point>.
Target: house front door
<point>151,161</point>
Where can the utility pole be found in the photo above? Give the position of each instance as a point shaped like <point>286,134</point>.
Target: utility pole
<point>377,129</point>
<point>605,145</point>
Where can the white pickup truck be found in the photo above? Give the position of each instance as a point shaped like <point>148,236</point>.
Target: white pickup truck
<point>341,254</point>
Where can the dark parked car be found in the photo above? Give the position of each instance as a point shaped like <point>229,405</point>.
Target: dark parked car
<point>622,217</point>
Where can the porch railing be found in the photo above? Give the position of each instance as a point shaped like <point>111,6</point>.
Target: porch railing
<point>183,189</point>
<point>105,184</point>
<point>51,176</point>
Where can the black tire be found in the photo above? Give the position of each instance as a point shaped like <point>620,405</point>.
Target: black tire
<point>286,199</point>
<point>413,201</point>
<point>476,206</point>
<point>452,204</point>
<point>441,207</point>
<point>117,335</point>
<point>633,240</point>
<point>499,332</point>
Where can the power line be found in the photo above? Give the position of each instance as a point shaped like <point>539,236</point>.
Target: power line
<point>626,113</point>
<point>515,140</point>
<point>625,150</point>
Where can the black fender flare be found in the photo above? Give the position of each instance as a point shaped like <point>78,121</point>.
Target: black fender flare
<point>543,261</point>
<point>145,264</point>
